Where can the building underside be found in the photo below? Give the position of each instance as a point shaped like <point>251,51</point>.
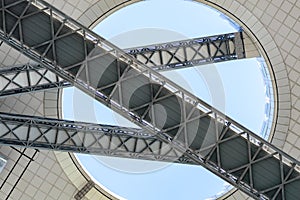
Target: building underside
<point>272,26</point>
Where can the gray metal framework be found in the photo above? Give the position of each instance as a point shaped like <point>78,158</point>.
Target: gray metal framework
<point>167,56</point>
<point>78,137</point>
<point>192,52</point>
<point>174,55</point>
<point>173,115</point>
<point>28,78</point>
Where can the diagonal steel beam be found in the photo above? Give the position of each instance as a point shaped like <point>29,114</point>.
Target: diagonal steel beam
<point>167,56</point>
<point>28,78</point>
<point>79,137</point>
<point>190,126</point>
<point>191,52</point>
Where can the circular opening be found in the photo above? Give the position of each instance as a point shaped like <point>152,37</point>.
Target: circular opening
<point>237,88</point>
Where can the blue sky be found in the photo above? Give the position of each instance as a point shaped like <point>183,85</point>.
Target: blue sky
<point>236,88</point>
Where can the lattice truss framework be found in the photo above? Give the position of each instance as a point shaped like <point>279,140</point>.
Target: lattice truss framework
<point>192,52</point>
<point>28,78</point>
<point>172,55</point>
<point>79,137</point>
<point>171,114</point>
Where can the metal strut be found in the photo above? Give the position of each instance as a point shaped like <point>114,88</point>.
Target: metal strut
<point>191,52</point>
<point>28,78</point>
<point>173,115</point>
<point>168,56</point>
<point>78,137</point>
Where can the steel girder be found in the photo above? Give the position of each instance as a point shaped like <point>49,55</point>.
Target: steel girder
<point>78,137</point>
<point>192,52</point>
<point>28,78</point>
<point>140,94</point>
<point>167,56</point>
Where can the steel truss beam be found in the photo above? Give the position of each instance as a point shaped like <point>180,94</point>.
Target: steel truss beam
<point>28,78</point>
<point>140,94</point>
<point>78,137</point>
<point>192,52</point>
<point>167,56</point>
